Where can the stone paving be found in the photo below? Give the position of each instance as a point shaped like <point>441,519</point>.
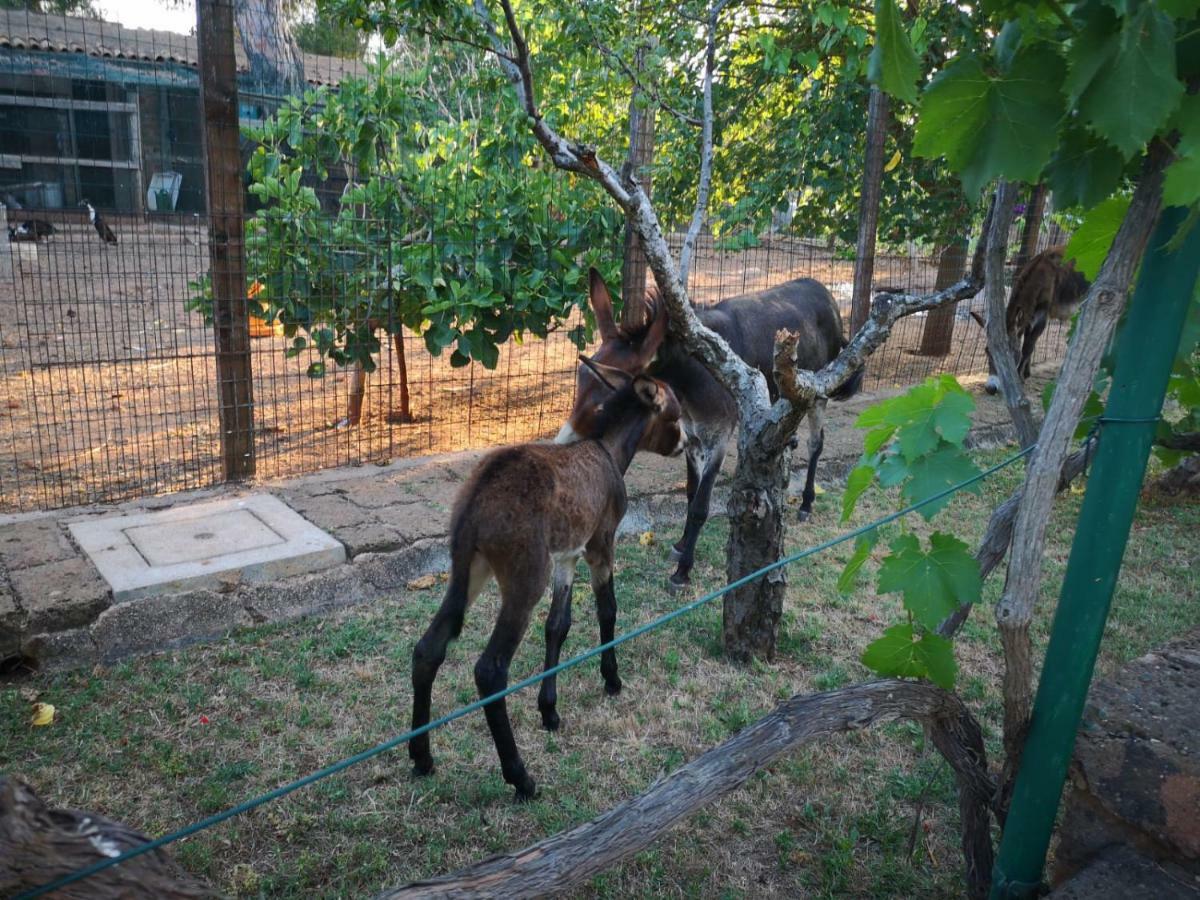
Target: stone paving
<point>57,611</point>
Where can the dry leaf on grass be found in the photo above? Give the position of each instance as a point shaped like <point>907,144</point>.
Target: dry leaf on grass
<point>646,538</point>
<point>426,581</point>
<point>43,714</point>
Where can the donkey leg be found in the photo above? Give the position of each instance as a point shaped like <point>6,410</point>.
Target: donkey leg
<point>430,651</point>
<point>521,585</point>
<point>558,624</point>
<point>816,443</point>
<point>1032,334</point>
<point>606,613</point>
<point>693,479</point>
<point>697,515</point>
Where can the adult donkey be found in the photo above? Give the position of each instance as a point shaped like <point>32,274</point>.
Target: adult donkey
<point>748,324</point>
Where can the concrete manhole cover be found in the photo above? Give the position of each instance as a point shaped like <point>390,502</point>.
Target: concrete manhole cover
<point>204,545</point>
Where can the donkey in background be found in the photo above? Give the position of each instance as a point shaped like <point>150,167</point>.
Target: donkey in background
<point>749,324</point>
<point>1045,288</point>
<point>526,514</point>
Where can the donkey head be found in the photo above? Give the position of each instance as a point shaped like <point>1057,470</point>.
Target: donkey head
<point>624,351</point>
<point>663,433</point>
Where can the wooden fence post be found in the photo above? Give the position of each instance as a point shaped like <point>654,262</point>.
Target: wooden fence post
<point>868,209</point>
<point>1033,225</point>
<point>641,154</point>
<point>226,235</point>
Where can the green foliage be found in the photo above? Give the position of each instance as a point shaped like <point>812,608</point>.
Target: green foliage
<point>993,123</point>
<point>1070,94</point>
<point>898,655</point>
<point>441,228</point>
<point>914,441</point>
<point>1090,242</point>
<point>893,64</point>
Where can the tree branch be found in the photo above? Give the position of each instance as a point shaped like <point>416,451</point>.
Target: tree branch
<point>1000,348</point>
<point>747,385</point>
<point>552,866</point>
<point>706,145</point>
<point>1101,310</point>
<point>998,536</point>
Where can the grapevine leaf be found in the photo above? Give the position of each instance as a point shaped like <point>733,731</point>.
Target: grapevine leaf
<point>1090,242</point>
<point>1024,109</point>
<point>895,654</point>
<point>893,64</point>
<point>932,584</point>
<point>857,482</point>
<point>954,110</point>
<point>988,127</point>
<point>932,474</point>
<point>1126,83</point>
<point>877,437</point>
<point>892,470</point>
<point>1180,9</point>
<point>1084,170</point>
<point>863,546</point>
<point>1182,187</point>
<point>938,655</point>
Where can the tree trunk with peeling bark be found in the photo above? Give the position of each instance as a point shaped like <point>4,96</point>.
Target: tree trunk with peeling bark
<point>275,62</point>
<point>756,508</point>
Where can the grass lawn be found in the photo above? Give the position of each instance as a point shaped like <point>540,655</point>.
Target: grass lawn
<point>280,701</point>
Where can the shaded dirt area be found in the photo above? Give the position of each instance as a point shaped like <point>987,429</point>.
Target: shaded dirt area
<point>108,386</point>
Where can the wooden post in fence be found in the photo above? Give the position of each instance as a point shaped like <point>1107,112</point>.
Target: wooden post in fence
<point>868,209</point>
<point>1033,225</point>
<point>938,333</point>
<point>226,235</point>
<point>641,154</point>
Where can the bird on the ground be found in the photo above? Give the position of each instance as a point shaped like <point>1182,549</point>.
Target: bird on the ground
<point>30,230</point>
<point>102,229</point>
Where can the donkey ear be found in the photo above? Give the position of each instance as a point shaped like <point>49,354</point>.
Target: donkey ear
<point>601,302</point>
<point>611,378</point>
<point>647,392</point>
<point>655,333</point>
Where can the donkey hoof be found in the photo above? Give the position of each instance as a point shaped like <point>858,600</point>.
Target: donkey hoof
<point>422,768</point>
<point>550,720</point>
<point>803,515</point>
<point>612,688</point>
<point>675,584</point>
<point>526,791</point>
<point>675,555</point>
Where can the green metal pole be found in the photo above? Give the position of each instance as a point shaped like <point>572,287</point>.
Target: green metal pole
<point>1145,351</point>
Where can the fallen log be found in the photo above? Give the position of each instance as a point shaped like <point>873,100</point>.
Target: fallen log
<point>39,845</point>
<point>572,857</point>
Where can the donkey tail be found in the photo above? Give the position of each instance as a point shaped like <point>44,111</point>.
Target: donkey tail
<point>851,387</point>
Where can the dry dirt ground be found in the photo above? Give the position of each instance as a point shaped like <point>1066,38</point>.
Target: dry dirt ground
<point>108,387</point>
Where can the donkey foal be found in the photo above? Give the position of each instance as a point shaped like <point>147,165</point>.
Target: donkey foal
<point>526,515</point>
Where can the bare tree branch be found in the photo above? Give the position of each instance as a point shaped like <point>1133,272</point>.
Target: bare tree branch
<point>1102,309</point>
<point>998,536</point>
<point>706,145</point>
<point>1000,348</point>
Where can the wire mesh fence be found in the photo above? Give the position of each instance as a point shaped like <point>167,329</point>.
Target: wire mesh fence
<point>121,365</point>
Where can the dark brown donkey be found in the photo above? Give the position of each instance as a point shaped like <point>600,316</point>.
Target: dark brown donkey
<point>749,324</point>
<point>528,513</point>
<point>1045,288</point>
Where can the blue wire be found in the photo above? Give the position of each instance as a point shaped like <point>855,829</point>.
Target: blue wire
<point>652,625</point>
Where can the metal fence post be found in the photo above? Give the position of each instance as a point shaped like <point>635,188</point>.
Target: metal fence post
<point>1155,319</point>
<point>226,235</point>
